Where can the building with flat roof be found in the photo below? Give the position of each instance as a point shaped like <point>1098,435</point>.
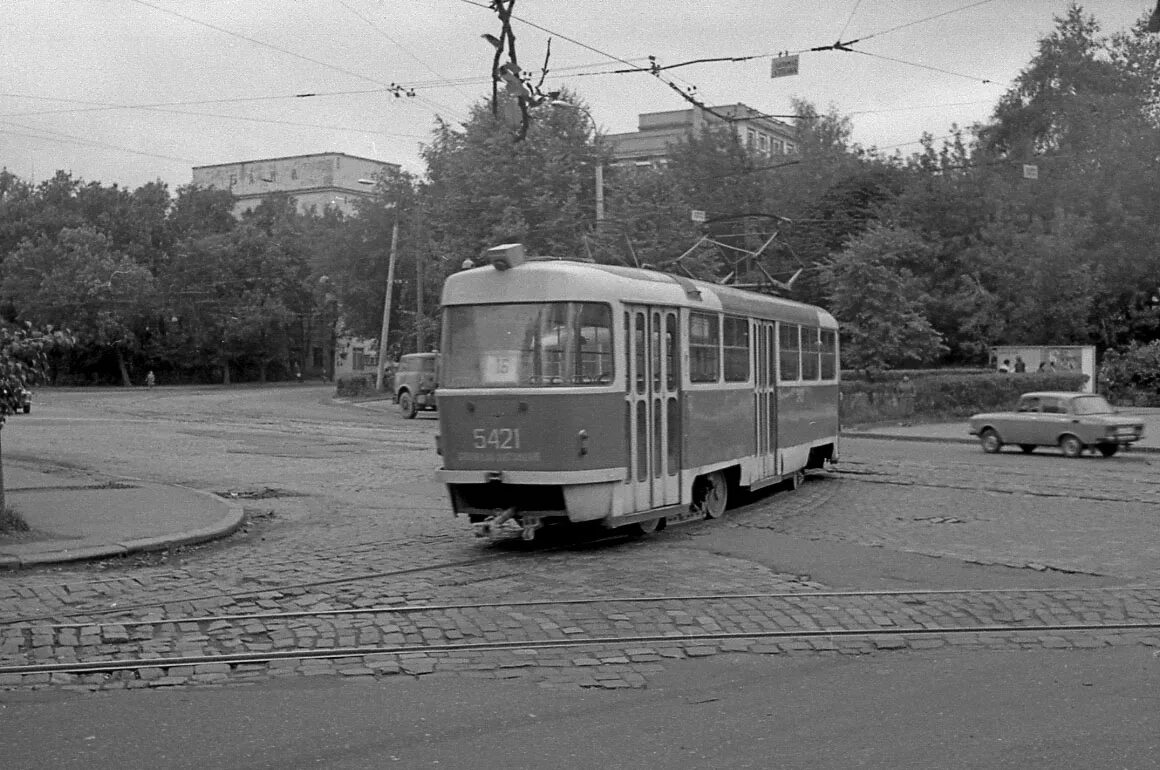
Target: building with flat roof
<point>314,181</point>
<point>650,144</point>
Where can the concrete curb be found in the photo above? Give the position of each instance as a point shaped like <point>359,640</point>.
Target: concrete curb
<point>228,524</point>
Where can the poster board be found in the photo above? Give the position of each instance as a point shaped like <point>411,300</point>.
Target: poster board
<point>1060,358</point>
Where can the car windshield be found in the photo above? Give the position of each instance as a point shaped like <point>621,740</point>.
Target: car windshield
<point>1092,405</point>
<point>527,345</point>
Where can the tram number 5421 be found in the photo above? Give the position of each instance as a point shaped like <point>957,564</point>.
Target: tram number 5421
<point>496,438</point>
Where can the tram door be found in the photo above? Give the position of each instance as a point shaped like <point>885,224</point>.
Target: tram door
<point>652,406</point>
<point>765,397</point>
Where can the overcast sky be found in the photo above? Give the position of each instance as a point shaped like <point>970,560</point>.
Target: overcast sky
<point>130,91</point>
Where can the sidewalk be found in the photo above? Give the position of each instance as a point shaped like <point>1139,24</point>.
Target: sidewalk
<point>956,432</point>
<point>76,514</point>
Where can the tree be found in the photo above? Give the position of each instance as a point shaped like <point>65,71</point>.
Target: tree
<point>232,296</point>
<point>23,361</point>
<point>877,301</point>
<point>483,189</point>
<point>79,281</point>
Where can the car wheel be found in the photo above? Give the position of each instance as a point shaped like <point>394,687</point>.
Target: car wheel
<point>1071,446</point>
<point>407,405</point>
<point>1027,448</point>
<point>1107,450</point>
<point>990,441</point>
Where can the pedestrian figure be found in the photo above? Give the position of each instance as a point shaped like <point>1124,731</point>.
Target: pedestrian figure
<point>150,380</point>
<point>1020,366</point>
<point>906,395</point>
<point>1005,367</point>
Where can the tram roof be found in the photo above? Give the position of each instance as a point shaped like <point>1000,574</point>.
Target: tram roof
<point>547,280</point>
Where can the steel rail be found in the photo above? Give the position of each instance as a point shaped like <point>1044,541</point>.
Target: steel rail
<point>256,591</point>
<point>104,666</point>
<point>658,599</point>
<point>595,541</point>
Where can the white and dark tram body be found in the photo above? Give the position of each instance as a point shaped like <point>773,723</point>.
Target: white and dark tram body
<point>574,392</point>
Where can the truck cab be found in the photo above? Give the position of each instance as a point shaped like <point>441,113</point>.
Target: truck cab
<point>416,378</point>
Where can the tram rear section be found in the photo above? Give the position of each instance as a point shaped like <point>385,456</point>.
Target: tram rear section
<point>576,393</point>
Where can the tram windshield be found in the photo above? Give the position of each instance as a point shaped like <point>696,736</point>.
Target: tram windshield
<point>527,345</point>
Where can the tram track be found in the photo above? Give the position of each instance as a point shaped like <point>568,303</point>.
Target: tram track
<point>266,588</point>
<point>875,477</point>
<point>575,622</point>
<point>170,600</point>
<point>917,595</point>
<point>235,659</point>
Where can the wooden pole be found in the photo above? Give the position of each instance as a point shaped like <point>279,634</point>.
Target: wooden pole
<point>387,308</point>
<point>420,343</point>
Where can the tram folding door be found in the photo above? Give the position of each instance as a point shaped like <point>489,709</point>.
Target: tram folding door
<point>765,399</point>
<point>652,406</point>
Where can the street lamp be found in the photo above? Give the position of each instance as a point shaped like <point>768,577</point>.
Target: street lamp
<point>599,165</point>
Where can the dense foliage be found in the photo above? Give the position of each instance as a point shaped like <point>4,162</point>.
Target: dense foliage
<point>24,353</point>
<point>1132,375</point>
<point>928,258</point>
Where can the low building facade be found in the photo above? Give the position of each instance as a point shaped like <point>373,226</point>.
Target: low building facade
<point>329,179</point>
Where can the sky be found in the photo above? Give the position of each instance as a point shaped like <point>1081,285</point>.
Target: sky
<point>132,91</point>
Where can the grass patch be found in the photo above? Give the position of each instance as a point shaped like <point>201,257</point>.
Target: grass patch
<point>11,521</point>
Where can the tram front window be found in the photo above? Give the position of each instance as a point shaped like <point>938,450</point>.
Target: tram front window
<point>527,345</point>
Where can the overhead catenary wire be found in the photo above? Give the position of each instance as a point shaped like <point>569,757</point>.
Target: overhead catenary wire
<point>377,28</point>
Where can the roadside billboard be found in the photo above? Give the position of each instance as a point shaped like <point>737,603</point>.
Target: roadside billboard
<point>1048,358</point>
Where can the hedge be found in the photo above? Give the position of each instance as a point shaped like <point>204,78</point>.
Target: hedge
<point>941,396</point>
<point>353,387</point>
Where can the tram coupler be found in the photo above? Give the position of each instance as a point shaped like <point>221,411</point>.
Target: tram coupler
<point>490,527</point>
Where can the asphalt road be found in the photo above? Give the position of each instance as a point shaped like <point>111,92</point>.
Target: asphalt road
<point>335,489</point>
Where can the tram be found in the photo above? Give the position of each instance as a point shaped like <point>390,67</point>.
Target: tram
<point>576,392</point>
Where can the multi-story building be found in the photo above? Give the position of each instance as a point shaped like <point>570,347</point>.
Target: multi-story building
<point>650,144</point>
<point>314,181</point>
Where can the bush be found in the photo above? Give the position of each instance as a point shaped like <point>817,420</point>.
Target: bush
<point>939,396</point>
<point>1131,376</point>
<point>355,387</point>
<point>893,375</point>
<point>11,521</point>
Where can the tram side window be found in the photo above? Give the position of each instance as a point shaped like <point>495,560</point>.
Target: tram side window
<point>704,345</point>
<point>594,344</point>
<point>789,352</point>
<point>736,337</point>
<point>829,354</point>
<point>811,349</point>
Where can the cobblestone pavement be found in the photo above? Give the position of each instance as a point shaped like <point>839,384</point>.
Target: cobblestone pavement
<point>346,518</point>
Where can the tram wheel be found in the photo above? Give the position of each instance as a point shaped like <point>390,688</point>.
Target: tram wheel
<point>711,494</point>
<point>643,528</point>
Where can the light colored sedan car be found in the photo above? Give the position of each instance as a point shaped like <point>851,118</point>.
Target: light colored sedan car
<point>1071,421</point>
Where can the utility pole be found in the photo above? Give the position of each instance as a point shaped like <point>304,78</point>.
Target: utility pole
<point>599,192</point>
<point>387,307</point>
<point>419,346</point>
